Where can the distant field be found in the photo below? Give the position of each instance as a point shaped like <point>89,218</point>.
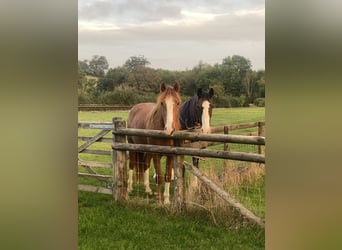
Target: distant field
<point>221,116</point>
<point>103,224</point>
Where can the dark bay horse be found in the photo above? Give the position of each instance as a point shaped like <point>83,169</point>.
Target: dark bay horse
<point>196,113</point>
<point>163,115</point>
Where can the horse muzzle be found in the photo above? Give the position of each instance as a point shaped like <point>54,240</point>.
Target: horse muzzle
<point>205,130</point>
<point>169,131</point>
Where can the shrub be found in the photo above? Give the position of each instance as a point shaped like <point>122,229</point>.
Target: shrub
<point>243,101</point>
<point>83,99</point>
<point>222,101</point>
<point>234,101</point>
<point>260,102</point>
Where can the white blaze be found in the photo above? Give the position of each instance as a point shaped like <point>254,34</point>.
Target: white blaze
<point>169,116</point>
<point>205,117</point>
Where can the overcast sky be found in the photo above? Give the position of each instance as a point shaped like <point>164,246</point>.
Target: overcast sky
<point>172,34</point>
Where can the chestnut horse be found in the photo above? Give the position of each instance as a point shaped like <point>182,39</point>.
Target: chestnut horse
<point>196,113</point>
<point>163,115</point>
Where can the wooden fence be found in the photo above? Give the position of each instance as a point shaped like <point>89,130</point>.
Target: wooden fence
<point>97,107</point>
<point>105,128</point>
<point>193,141</point>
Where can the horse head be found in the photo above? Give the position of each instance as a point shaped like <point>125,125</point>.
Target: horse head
<point>169,101</point>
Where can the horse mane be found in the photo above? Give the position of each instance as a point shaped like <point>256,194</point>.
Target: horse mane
<point>191,115</point>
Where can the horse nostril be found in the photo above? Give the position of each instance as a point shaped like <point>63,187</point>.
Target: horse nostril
<point>169,131</point>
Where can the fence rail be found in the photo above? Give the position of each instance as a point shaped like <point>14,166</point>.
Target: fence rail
<point>96,107</point>
<point>239,156</point>
<point>255,140</point>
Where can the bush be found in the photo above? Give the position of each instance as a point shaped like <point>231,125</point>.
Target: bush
<point>83,99</point>
<point>123,95</point>
<point>221,101</point>
<point>243,101</point>
<point>230,101</point>
<point>234,101</point>
<point>259,102</point>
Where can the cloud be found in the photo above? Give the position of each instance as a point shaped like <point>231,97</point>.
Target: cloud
<point>237,26</point>
<point>123,12</point>
<point>172,33</point>
<point>130,11</point>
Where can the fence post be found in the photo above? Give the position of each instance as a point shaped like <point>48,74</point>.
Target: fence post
<point>119,163</point>
<point>225,148</point>
<point>179,170</point>
<point>260,132</point>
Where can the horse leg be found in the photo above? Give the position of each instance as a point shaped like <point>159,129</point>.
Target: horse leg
<point>132,163</point>
<point>147,162</point>
<point>159,178</point>
<point>168,177</point>
<point>172,174</point>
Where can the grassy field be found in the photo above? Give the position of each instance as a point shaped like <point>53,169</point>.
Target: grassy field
<point>104,224</point>
<point>221,116</point>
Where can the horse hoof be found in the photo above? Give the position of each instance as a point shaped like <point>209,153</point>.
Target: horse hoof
<point>148,191</point>
<point>167,202</point>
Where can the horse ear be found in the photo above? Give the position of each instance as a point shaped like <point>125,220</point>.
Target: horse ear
<point>176,87</point>
<point>162,87</point>
<point>199,92</point>
<point>211,92</point>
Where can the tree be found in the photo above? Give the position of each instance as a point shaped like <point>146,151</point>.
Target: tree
<point>98,65</point>
<point>84,67</point>
<point>144,79</point>
<point>81,80</point>
<point>234,70</point>
<point>250,83</point>
<point>141,77</point>
<point>136,61</point>
<point>113,78</point>
<point>261,83</point>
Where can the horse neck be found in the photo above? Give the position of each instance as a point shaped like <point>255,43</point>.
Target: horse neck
<point>154,119</point>
<point>176,120</point>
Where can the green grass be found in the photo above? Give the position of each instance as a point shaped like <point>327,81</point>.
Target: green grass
<point>104,224</point>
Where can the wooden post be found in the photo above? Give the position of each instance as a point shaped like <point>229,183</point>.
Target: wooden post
<point>260,132</point>
<point>225,148</point>
<point>119,163</point>
<point>179,170</point>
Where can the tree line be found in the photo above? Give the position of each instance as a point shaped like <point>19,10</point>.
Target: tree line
<point>234,82</point>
